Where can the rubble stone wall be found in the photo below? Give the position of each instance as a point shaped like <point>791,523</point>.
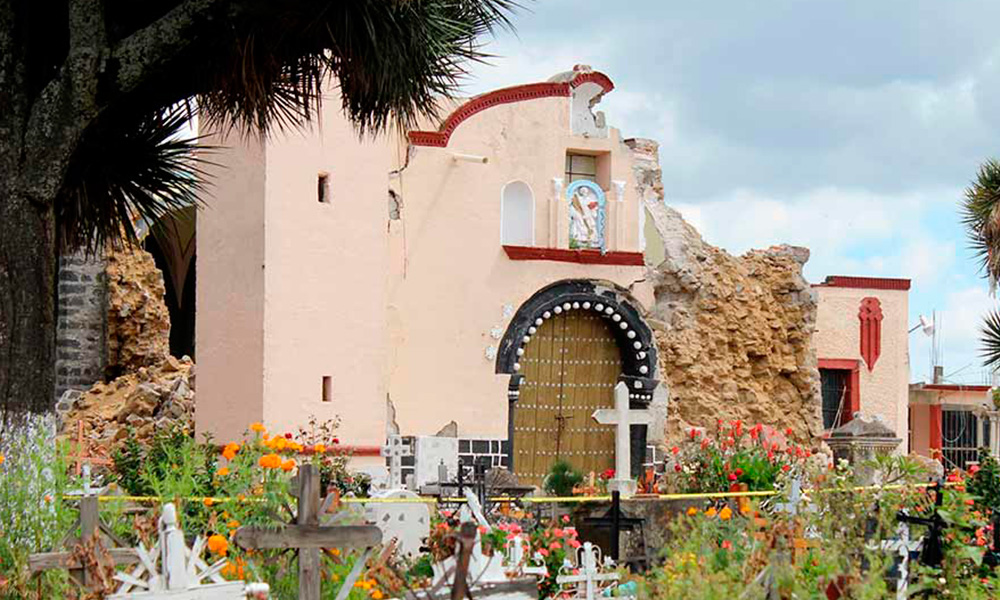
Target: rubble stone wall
<point>138,320</point>
<point>734,333</point>
<point>81,326</point>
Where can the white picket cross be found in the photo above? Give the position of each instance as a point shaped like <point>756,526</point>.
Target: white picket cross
<point>622,417</point>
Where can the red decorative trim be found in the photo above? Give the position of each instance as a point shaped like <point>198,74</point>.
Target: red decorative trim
<point>870,316</point>
<point>853,383</point>
<point>947,387</point>
<point>586,257</point>
<point>518,93</point>
<point>935,427</point>
<point>865,283</point>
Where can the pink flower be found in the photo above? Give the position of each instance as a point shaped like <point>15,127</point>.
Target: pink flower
<point>574,543</point>
<point>555,546</point>
<point>727,545</point>
<point>570,531</point>
<point>557,532</point>
<point>565,518</point>
<point>483,529</point>
<point>543,551</point>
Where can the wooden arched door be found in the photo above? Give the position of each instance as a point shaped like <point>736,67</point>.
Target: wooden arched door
<point>570,368</point>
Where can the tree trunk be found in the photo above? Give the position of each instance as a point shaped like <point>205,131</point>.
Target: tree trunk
<point>27,299</point>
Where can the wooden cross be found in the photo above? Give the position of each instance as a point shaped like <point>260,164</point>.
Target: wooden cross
<point>91,527</point>
<point>589,578</point>
<point>307,536</point>
<point>622,417</point>
<point>395,450</point>
<point>83,456</point>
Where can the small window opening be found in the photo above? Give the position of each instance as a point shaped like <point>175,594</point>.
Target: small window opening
<point>580,166</point>
<point>327,388</point>
<point>323,188</point>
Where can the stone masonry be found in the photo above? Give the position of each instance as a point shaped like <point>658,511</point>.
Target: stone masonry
<point>81,349</point>
<point>734,333</point>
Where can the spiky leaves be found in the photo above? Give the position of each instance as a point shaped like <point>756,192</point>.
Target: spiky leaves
<point>989,338</point>
<point>981,217</point>
<point>390,58</point>
<point>128,168</point>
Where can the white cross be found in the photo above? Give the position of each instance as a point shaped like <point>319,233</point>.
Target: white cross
<point>622,417</point>
<point>794,499</point>
<point>902,546</point>
<point>589,576</point>
<point>395,450</point>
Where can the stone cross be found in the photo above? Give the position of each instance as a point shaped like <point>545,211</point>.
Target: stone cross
<point>794,499</point>
<point>622,417</point>
<point>395,450</point>
<point>589,578</point>
<point>307,536</point>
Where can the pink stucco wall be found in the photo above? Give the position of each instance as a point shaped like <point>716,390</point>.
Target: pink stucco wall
<point>396,311</point>
<point>884,388</point>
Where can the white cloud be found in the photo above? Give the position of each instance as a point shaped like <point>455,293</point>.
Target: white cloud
<point>958,323</point>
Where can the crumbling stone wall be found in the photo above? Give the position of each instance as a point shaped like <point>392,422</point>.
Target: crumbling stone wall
<point>734,333</point>
<point>138,320</point>
<point>82,310</point>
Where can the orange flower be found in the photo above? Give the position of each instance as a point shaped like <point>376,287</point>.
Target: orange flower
<point>209,501</point>
<point>230,450</point>
<point>233,524</point>
<point>270,461</point>
<point>288,465</point>
<point>726,513</point>
<point>710,512</point>
<point>48,498</point>
<point>258,427</point>
<point>222,472</point>
<point>692,511</point>
<point>2,459</point>
<point>319,448</point>
<point>377,594</point>
<point>218,544</point>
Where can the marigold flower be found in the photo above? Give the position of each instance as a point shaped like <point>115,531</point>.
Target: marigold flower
<point>233,524</point>
<point>270,461</point>
<point>288,465</point>
<point>222,472</point>
<point>258,427</point>
<point>230,450</point>
<point>218,544</point>
<point>2,458</point>
<point>319,448</point>
<point>710,512</point>
<point>377,594</point>
<point>209,501</point>
<point>726,513</point>
<point>692,511</point>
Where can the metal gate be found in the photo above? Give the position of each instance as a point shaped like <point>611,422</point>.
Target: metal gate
<point>959,437</point>
<point>570,369</point>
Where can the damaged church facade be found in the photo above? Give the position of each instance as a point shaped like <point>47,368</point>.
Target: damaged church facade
<point>484,279</point>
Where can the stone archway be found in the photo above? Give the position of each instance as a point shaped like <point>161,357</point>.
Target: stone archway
<point>565,349</point>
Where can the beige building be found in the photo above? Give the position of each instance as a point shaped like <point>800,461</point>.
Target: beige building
<point>861,343</point>
<point>483,277</point>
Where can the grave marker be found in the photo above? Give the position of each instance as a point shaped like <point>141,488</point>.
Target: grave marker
<point>622,417</point>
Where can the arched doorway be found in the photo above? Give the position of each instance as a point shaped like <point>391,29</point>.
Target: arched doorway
<point>570,369</point>
<point>566,348</point>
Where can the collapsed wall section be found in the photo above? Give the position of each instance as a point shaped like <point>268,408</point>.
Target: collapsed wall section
<point>734,333</point>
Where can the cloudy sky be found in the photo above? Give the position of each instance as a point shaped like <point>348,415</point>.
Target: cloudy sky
<point>850,127</point>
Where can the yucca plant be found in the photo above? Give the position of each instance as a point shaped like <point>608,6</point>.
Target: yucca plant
<point>981,218</point>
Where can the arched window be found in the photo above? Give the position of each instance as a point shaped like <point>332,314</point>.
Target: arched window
<point>517,215</point>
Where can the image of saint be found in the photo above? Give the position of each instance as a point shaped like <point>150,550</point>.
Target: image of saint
<point>583,213</point>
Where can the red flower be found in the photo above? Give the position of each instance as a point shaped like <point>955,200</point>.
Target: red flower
<point>727,545</point>
<point>694,433</point>
<point>677,467</point>
<point>973,469</point>
<point>288,436</point>
<point>675,450</point>
<point>608,474</point>
<point>786,468</point>
<point>704,443</point>
<point>770,455</point>
<point>739,472</point>
<point>732,477</point>
<point>788,432</point>
<point>336,441</point>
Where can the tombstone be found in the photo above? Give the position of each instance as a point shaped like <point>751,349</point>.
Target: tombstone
<point>409,521</point>
<point>394,450</point>
<point>861,440</point>
<point>902,547</point>
<point>431,452</point>
<point>622,417</point>
<point>172,571</point>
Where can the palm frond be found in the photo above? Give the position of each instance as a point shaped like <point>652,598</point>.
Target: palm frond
<point>989,338</point>
<point>391,58</point>
<point>125,170</point>
<point>980,211</point>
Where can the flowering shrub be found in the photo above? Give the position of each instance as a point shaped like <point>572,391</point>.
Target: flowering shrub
<point>755,456</point>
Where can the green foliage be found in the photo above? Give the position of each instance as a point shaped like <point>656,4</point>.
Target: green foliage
<point>984,484</point>
<point>33,518</point>
<point>979,210</point>
<point>756,457</point>
<point>562,478</point>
